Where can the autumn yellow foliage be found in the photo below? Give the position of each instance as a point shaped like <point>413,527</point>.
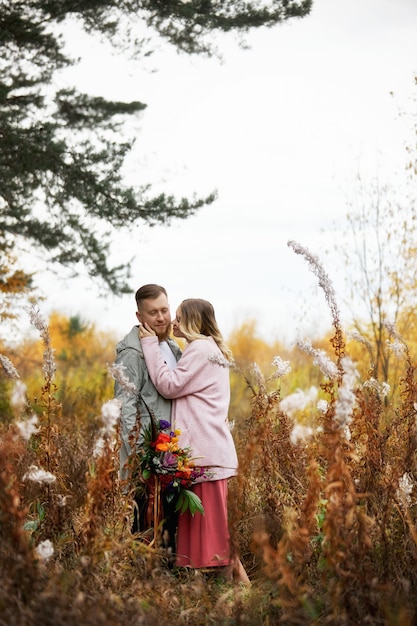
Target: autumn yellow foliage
<point>322,512</point>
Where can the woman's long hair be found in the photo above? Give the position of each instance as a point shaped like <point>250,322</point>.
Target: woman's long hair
<point>198,321</point>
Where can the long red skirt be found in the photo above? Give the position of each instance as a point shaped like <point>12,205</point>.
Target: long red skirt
<point>204,540</point>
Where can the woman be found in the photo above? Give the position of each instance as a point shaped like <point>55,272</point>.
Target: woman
<point>201,390</point>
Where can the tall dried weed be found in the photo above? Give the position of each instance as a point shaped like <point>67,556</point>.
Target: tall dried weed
<point>322,514</point>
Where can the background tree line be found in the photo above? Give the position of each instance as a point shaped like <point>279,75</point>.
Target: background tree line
<point>62,191</point>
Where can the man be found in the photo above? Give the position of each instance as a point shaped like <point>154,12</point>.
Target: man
<point>145,404</point>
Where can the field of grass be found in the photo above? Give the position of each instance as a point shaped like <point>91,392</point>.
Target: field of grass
<point>323,512</point>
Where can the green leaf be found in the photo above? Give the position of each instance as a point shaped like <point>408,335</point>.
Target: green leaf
<point>146,474</point>
<point>41,511</point>
<point>169,496</point>
<point>31,526</point>
<point>188,500</point>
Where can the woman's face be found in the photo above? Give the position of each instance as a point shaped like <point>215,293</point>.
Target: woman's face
<point>175,324</point>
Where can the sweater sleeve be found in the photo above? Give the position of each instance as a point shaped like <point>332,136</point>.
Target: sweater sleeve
<point>129,359</point>
<point>185,379</point>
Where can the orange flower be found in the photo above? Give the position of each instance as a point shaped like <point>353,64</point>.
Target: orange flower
<point>162,438</point>
<point>162,442</point>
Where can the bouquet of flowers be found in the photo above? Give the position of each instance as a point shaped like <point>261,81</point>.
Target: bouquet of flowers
<point>173,467</point>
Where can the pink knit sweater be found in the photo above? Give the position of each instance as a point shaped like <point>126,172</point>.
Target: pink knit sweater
<point>200,389</point>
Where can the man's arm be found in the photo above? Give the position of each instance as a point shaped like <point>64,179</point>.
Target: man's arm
<point>129,359</point>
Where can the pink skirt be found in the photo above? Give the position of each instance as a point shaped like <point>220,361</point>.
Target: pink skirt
<point>204,540</point>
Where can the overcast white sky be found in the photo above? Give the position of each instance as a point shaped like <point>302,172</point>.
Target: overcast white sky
<point>281,131</point>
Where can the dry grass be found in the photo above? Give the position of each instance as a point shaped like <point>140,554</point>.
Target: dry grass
<point>325,526</point>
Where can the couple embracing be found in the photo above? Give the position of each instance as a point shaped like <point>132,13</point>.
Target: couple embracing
<point>190,392</point>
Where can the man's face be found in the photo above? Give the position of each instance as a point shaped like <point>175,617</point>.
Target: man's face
<point>156,314</point>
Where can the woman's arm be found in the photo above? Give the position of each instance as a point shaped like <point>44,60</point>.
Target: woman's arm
<point>189,377</point>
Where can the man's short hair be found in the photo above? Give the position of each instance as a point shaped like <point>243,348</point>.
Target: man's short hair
<point>149,292</point>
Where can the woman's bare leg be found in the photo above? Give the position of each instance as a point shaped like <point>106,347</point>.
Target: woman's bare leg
<point>239,573</point>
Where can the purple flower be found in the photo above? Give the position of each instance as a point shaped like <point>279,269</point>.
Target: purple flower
<point>169,460</point>
<point>199,472</point>
<point>163,424</point>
